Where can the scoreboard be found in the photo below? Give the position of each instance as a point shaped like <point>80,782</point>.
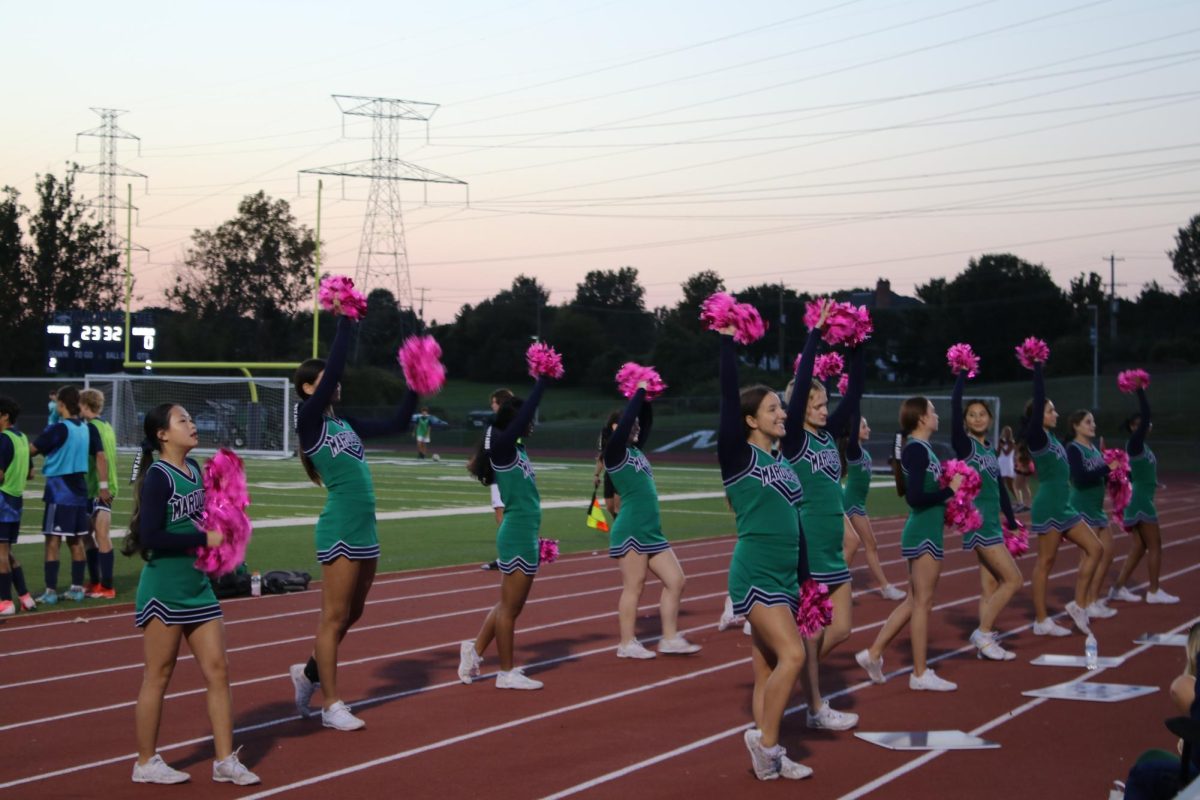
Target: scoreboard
<point>94,341</point>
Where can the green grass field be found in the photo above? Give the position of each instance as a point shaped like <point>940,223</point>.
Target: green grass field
<point>284,506</point>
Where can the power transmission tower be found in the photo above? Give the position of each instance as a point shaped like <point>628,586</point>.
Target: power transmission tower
<point>382,253</point>
<point>108,201</point>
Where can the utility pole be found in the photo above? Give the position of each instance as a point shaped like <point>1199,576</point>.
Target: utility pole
<point>1112,296</point>
<point>1095,337</point>
<point>782,325</point>
<point>421,313</point>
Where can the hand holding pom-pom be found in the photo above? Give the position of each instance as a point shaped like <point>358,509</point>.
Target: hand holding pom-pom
<point>963,359</point>
<point>815,613</point>
<point>547,551</point>
<point>420,360</point>
<point>1032,351</point>
<point>544,361</point>
<point>1117,483</point>
<point>722,312</point>
<point>630,377</point>
<point>961,512</point>
<point>1016,540</point>
<point>839,323</point>
<point>337,294</point>
<point>1131,380</point>
<point>225,501</point>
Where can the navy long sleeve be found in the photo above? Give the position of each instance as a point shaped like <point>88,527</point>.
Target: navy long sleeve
<point>1035,432</point>
<point>397,423</point>
<point>1137,442</point>
<point>915,461</point>
<point>797,407</point>
<point>645,423</point>
<point>1081,476</point>
<point>958,431</point>
<point>504,442</point>
<point>733,451</point>
<point>152,519</point>
<point>1006,506</point>
<point>837,424</point>
<point>309,417</point>
<point>618,443</point>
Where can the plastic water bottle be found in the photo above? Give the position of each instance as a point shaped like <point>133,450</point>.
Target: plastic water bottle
<point>256,591</point>
<point>1091,653</point>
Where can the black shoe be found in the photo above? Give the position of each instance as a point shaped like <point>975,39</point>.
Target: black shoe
<point>490,565</point>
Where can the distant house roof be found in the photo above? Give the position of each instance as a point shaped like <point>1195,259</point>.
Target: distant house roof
<point>884,297</point>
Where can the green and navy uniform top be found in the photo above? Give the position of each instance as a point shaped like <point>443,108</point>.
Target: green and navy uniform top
<point>14,462</point>
<point>108,443</point>
<point>346,526</point>
<point>170,588</point>
<point>769,559</point>
<point>818,464</point>
<point>922,534</point>
<point>1088,482</point>
<point>858,469</point>
<point>639,525</point>
<point>517,543</point>
<point>1143,470</point>
<point>1052,509</point>
<point>67,447</point>
<point>992,499</point>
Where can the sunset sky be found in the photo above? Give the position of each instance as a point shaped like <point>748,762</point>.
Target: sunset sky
<point>821,144</point>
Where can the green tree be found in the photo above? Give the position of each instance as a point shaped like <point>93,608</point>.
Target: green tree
<point>684,353</point>
<point>1185,258</point>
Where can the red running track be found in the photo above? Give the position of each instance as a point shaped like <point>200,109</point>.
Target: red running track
<point>602,727</point>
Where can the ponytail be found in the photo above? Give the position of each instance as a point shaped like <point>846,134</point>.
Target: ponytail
<point>911,411</point>
<point>158,419</point>
<point>307,372</point>
<point>480,464</point>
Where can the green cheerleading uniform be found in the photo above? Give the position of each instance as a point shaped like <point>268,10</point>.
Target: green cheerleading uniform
<point>1143,478</point>
<point>1052,509</point>
<point>170,587</point>
<point>818,467</point>
<point>639,525</point>
<point>983,461</point>
<point>517,544</point>
<point>1089,500</point>
<point>858,485</point>
<point>923,532</point>
<point>346,527</point>
<point>764,496</point>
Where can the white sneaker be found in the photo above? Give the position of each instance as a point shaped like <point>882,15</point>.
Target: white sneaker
<point>468,662</point>
<point>338,717</point>
<point>634,650</point>
<point>766,761</point>
<point>1049,627</point>
<point>789,769</point>
<point>1079,617</point>
<point>873,668</point>
<point>1161,597</point>
<point>746,627</point>
<point>1123,594</point>
<point>930,682</point>
<point>830,719</point>
<point>515,679</point>
<point>678,646</point>
<point>304,689</point>
<point>1097,610</point>
<point>987,647</point>
<point>157,771</point>
<point>890,592</point>
<point>728,618</point>
<point>231,770</point>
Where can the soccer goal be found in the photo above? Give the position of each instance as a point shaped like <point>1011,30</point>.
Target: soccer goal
<point>249,415</point>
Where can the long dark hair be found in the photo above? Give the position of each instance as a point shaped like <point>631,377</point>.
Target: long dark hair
<point>606,434</point>
<point>69,397</point>
<point>480,463</point>
<point>158,419</point>
<point>307,372</point>
<point>911,411</point>
<point>1077,416</point>
<point>750,398</point>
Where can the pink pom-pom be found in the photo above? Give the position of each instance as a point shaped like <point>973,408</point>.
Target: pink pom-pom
<point>420,360</point>
<point>1032,351</point>
<point>961,513</point>
<point>1016,540</point>
<point>631,374</point>
<point>349,301</point>
<point>863,326</point>
<point>721,310</point>
<point>544,360</point>
<point>225,501</point>
<point>1117,484</point>
<point>1131,380</point>
<point>845,324</point>
<point>816,609</point>
<point>828,365</point>
<point>547,551</point>
<point>963,359</point>
<point>843,384</point>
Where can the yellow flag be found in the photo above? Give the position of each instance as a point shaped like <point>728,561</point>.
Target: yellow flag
<point>596,518</point>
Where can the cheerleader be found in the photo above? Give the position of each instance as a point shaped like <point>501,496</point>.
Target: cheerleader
<point>174,599</point>
<point>1088,476</point>
<point>1053,517</point>
<point>999,576</point>
<point>1141,517</point>
<point>763,582</point>
<point>810,447</point>
<point>917,472</point>
<point>501,460</point>
<point>347,544</point>
<point>636,539</point>
<point>858,529</point>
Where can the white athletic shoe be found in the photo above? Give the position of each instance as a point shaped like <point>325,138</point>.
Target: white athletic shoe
<point>1049,627</point>
<point>987,647</point>
<point>830,719</point>
<point>678,646</point>
<point>304,689</point>
<point>1097,610</point>
<point>634,650</point>
<point>1161,597</point>
<point>468,662</point>
<point>789,769</point>
<point>746,628</point>
<point>930,682</point>
<point>765,760</point>
<point>1079,617</point>
<point>728,618</point>
<point>157,771</point>
<point>231,770</point>
<point>1124,595</point>
<point>873,668</point>
<point>338,717</point>
<point>890,592</point>
<point>515,679</point>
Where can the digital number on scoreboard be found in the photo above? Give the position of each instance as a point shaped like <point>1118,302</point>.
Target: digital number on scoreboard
<point>91,341</point>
